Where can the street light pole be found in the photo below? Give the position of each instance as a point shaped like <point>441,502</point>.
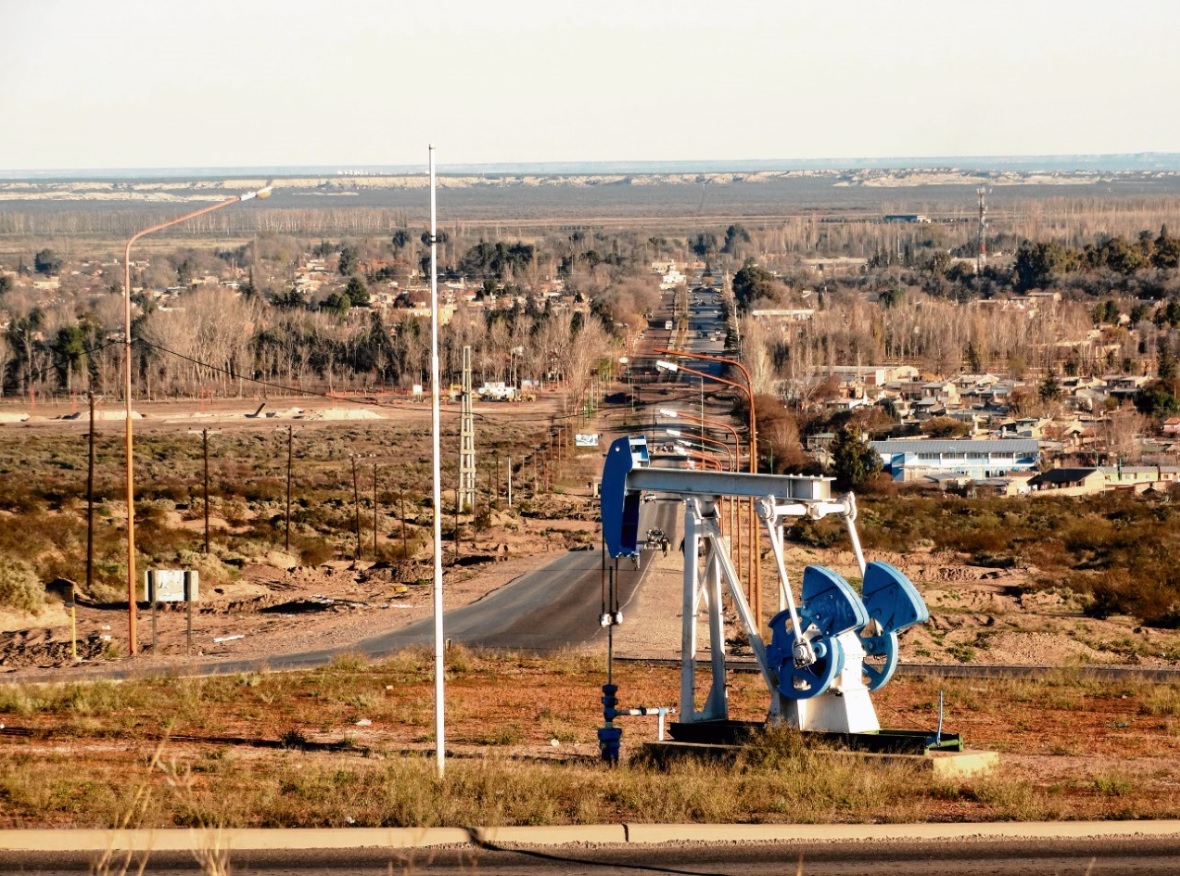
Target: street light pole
<point>755,538</point>
<point>129,449</point>
<point>435,417</point>
<point>702,439</point>
<point>737,450</point>
<point>755,577</point>
<point>704,421</point>
<point>748,389</point>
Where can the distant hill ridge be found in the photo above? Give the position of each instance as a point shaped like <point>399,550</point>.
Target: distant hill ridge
<point>1107,162</point>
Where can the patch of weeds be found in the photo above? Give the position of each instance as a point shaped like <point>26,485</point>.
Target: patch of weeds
<point>350,663</point>
<point>507,734</point>
<point>361,700</point>
<point>458,660</point>
<point>1161,702</point>
<point>293,739</point>
<point>983,639</point>
<point>962,653</point>
<point>1112,786</point>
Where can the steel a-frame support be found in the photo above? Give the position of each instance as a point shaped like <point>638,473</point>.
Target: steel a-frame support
<point>704,578</point>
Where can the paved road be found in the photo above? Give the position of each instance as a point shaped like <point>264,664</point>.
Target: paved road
<point>555,607</point>
<point>1091,857</point>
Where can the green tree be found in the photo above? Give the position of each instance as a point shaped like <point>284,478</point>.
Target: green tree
<point>703,244</point>
<point>348,261</point>
<point>1122,257</point>
<point>1160,398</point>
<point>853,460</point>
<point>292,299</point>
<point>337,303</point>
<point>496,260</point>
<point>23,335</point>
<point>973,360</point>
<point>1169,314</point>
<point>1038,264</point>
<point>6,283</point>
<point>401,239</point>
<point>1049,389</point>
<point>752,283</point>
<point>69,353</point>
<point>47,262</point>
<point>1166,252</point>
<point>357,294</point>
<point>937,262</point>
<point>1165,360</point>
<point>735,235</point>
<point>184,271</point>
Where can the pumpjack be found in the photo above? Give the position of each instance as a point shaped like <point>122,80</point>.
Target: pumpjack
<point>827,652</point>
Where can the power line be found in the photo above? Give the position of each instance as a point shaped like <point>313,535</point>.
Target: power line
<point>320,394</point>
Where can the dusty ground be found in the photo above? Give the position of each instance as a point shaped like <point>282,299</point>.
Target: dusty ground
<point>978,616</point>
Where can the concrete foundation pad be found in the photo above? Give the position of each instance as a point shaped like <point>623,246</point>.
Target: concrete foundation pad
<point>944,764</point>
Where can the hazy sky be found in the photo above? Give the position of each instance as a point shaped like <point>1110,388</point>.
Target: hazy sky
<point>181,83</point>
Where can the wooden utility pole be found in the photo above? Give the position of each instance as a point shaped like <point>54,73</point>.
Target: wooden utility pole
<point>356,505</point>
<point>287,541</point>
<point>457,501</point>
<point>205,448</point>
<point>90,507</point>
<point>405,541</point>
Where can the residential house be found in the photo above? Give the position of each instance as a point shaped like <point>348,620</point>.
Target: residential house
<point>1014,484</point>
<point>1025,427</point>
<point>1140,478</point>
<point>1068,482</point>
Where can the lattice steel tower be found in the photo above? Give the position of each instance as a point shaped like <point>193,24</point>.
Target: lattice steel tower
<point>466,439</point>
<point>981,256</point>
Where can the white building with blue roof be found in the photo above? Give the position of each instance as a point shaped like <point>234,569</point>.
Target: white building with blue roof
<point>909,459</point>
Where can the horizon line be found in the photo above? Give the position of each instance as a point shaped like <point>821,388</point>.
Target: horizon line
<point>1103,161</point>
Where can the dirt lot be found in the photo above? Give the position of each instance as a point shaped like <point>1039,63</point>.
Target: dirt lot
<point>978,615</point>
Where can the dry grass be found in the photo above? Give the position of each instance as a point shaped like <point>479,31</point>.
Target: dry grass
<point>253,750</point>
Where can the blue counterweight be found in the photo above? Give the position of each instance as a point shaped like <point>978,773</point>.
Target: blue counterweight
<point>829,609</point>
<point>894,603</point>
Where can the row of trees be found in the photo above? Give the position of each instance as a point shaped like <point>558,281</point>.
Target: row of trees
<point>220,341</point>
